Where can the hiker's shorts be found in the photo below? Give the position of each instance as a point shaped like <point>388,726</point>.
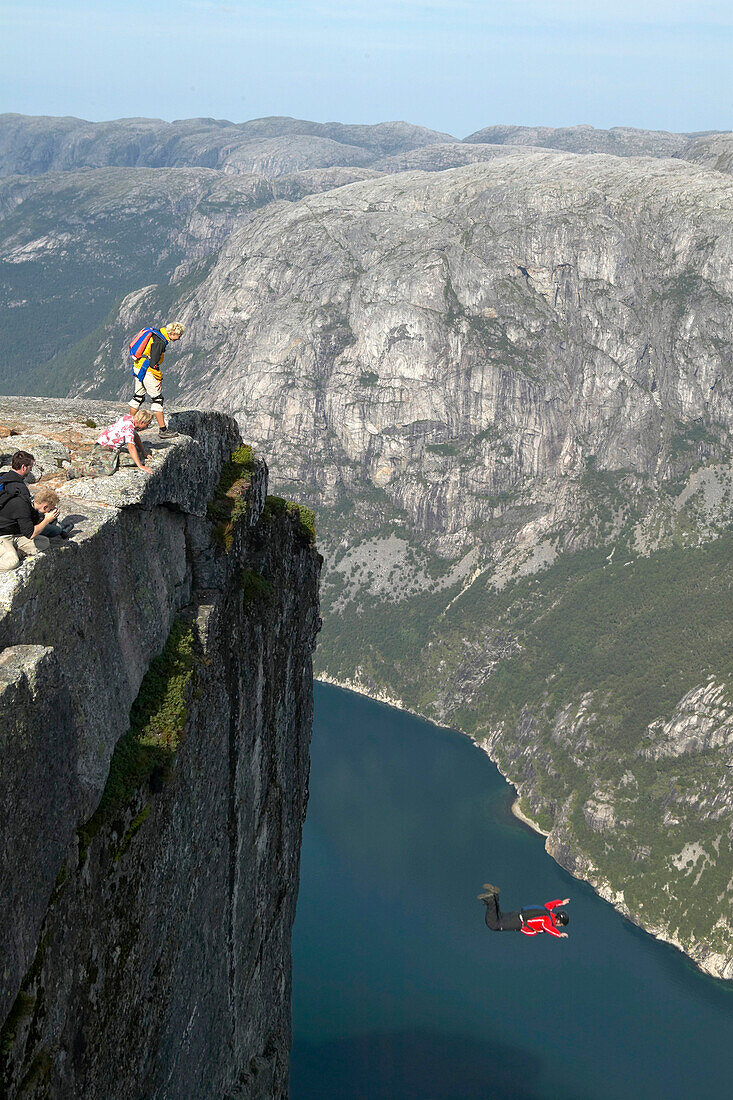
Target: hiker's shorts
<point>151,386</point>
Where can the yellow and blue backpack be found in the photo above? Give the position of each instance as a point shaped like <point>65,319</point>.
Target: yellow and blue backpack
<point>137,348</point>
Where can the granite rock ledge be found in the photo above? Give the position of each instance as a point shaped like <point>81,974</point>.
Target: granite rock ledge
<point>150,955</point>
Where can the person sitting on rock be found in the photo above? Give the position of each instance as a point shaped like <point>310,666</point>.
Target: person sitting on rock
<point>530,921</point>
<point>109,451</point>
<point>146,355</point>
<point>21,526</point>
<point>45,501</point>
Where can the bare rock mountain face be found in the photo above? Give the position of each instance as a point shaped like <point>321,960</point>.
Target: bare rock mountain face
<point>155,715</point>
<point>713,151</point>
<point>436,158</point>
<point>93,211</point>
<point>507,389</point>
<point>452,337</point>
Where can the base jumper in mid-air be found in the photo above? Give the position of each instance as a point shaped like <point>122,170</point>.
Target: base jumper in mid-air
<point>531,921</point>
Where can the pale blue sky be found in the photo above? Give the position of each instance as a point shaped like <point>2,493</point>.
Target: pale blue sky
<point>453,65</point>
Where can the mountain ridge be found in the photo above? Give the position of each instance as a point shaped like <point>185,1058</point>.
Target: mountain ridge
<point>37,144</point>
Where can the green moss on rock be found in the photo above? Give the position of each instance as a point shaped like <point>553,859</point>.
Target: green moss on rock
<point>228,503</point>
<point>21,1010</point>
<point>307,519</point>
<point>278,506</point>
<point>24,1006</point>
<point>255,587</point>
<point>157,721</point>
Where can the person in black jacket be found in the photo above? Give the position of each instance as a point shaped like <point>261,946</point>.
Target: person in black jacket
<point>21,525</point>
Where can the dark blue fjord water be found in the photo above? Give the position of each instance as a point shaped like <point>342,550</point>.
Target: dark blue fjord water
<point>402,993</point>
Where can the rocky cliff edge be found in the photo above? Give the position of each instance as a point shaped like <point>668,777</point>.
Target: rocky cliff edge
<point>193,918</point>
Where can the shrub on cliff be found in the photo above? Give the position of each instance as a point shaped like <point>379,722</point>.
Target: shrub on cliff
<point>278,506</point>
<point>229,503</point>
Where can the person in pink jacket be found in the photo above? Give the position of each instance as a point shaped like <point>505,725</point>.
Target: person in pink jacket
<point>530,921</point>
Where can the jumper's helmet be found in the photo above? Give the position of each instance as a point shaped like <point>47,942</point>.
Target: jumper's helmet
<point>561,916</point>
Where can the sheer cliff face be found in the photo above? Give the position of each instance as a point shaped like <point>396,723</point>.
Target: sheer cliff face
<point>453,338</point>
<point>149,890</point>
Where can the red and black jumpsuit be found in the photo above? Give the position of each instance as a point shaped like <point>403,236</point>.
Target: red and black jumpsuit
<point>529,921</point>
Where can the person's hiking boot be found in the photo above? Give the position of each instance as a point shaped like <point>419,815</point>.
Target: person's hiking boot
<point>491,889</point>
<point>485,897</point>
<point>167,433</point>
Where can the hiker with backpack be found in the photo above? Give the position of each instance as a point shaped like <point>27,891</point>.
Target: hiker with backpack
<point>146,354</point>
<point>21,525</point>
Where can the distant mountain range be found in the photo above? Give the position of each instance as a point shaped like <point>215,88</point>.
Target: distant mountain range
<point>274,147</point>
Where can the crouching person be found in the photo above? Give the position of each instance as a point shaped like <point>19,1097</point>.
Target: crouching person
<point>46,501</point>
<point>21,526</point>
<point>118,445</point>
